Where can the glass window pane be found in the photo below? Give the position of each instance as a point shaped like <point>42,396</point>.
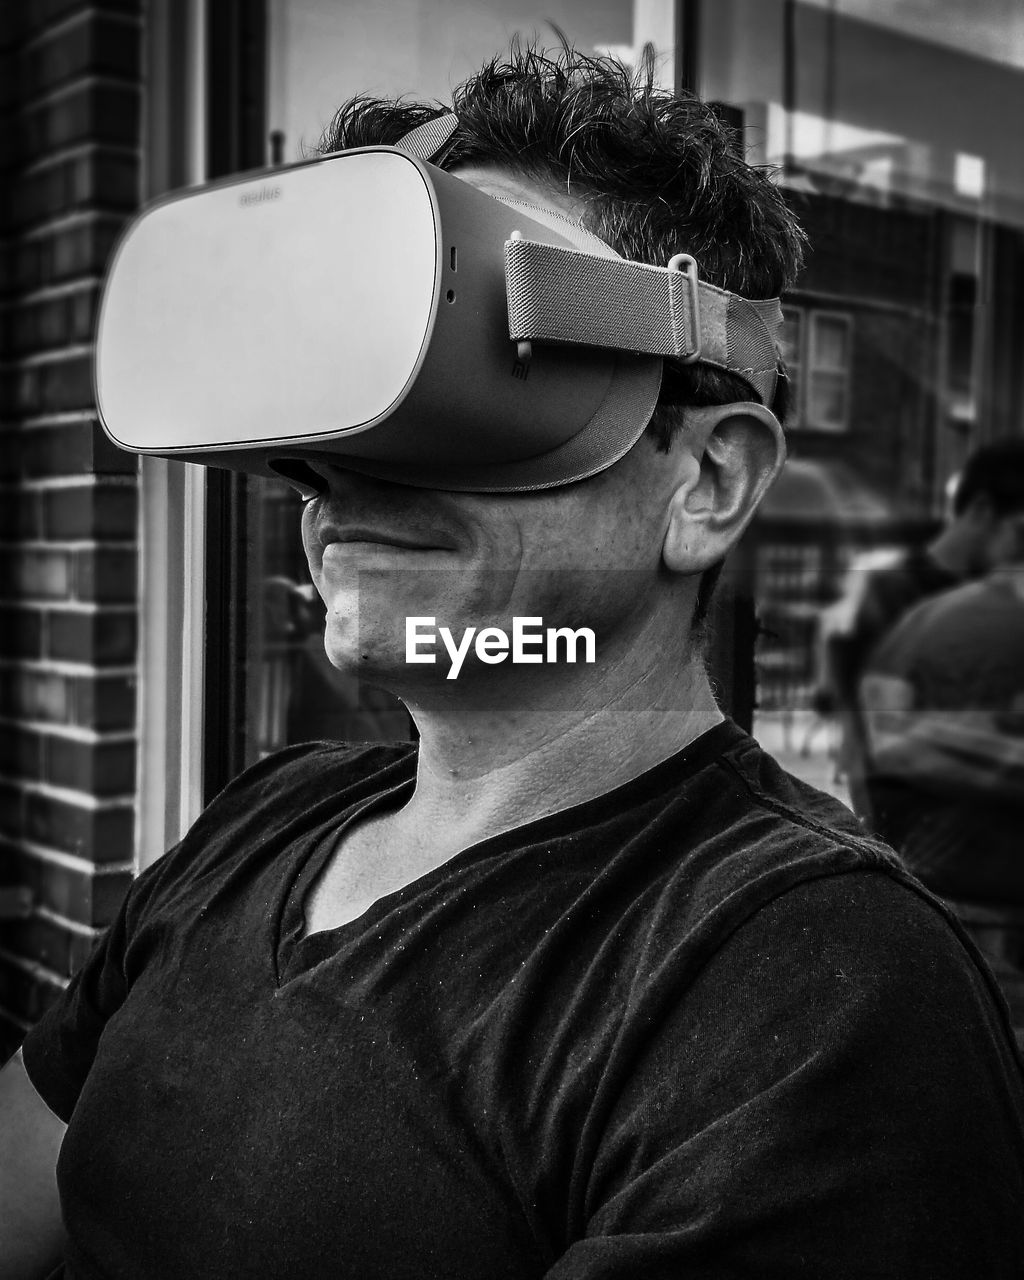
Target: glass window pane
<point>831,342</point>
<point>895,126</point>
<point>790,336</point>
<point>323,52</point>
<point>826,400</point>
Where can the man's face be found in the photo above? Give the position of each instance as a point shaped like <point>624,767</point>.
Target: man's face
<point>586,555</point>
<point>1005,546</point>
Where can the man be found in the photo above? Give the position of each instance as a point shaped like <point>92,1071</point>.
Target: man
<point>878,596</point>
<point>584,985</point>
<point>943,702</point>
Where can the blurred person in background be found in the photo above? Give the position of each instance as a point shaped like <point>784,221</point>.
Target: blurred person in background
<point>943,705</point>
<point>989,488</point>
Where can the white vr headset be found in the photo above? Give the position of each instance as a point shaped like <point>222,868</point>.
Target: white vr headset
<point>371,310</point>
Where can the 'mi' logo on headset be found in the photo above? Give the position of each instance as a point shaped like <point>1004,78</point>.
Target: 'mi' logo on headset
<point>530,642</point>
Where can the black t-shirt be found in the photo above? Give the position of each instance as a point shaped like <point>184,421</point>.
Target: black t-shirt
<point>698,1027</point>
<point>887,595</point>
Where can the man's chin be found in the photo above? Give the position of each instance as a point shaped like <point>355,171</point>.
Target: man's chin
<point>381,665</point>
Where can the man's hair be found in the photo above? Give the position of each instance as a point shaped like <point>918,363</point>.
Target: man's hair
<point>996,472</point>
<point>655,173</point>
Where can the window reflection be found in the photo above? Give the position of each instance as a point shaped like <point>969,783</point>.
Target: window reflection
<point>894,127</point>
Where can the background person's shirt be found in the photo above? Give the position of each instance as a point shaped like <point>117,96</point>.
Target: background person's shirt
<point>943,704</point>
<point>876,596</point>
<point>695,1027</point>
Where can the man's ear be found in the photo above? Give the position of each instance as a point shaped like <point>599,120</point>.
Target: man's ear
<point>738,449</point>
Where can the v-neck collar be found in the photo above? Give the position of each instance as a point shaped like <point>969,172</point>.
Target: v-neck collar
<point>295,952</point>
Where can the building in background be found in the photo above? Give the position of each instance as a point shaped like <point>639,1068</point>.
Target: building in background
<point>156,629</point>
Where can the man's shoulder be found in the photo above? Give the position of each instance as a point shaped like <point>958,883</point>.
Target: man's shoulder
<point>756,831</point>
<point>309,777</point>
<point>288,796</point>
<point>795,807</point>
<point>793,867</point>
<point>947,617</point>
<point>912,576</point>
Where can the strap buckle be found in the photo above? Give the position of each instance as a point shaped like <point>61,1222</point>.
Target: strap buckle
<point>687,266</point>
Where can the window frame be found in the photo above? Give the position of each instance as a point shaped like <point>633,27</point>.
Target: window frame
<point>172,494</point>
<point>804,367</point>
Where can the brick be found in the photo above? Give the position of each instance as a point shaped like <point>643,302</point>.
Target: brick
<point>21,632</point>
<point>65,449</point>
<point>8,253</point>
<point>59,948</point>
<point>14,24</point>
<point>91,511</point>
<point>10,147</point>
<point>54,385</point>
<point>92,111</point>
<point>83,312</point>
<point>21,516</point>
<point>22,753</point>
<point>36,695</point>
<point>103,702</point>
<point>39,573</point>
<point>22,391</point>
<point>101,638</point>
<point>13,810</point>
<point>107,178</point>
<point>94,178</point>
<point>100,45</point>
<point>25,993</point>
<point>101,835</point>
<point>55,321</point>
<point>45,13</point>
<point>103,768</point>
<point>82,248</point>
<point>106,574</point>
<point>79,895</point>
<point>9,79</point>
<point>10,455</point>
<point>66,384</point>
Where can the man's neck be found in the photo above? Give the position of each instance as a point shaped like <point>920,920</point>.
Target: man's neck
<point>487,769</point>
<point>954,551</point>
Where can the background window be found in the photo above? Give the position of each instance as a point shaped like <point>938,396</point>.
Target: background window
<point>828,372</point>
<point>791,339</point>
<point>817,348</point>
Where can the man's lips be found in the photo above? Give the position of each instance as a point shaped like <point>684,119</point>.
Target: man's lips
<point>384,537</point>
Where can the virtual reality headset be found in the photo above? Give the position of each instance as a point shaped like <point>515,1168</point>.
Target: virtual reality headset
<point>371,310</point>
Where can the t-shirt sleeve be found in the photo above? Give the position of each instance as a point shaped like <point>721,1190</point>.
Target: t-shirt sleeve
<point>837,1095</point>
<point>59,1050</point>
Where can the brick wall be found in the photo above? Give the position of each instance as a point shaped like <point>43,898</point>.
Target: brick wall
<point>70,88</point>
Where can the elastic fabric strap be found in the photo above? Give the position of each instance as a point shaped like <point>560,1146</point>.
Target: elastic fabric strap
<point>563,295</point>
<point>426,140</point>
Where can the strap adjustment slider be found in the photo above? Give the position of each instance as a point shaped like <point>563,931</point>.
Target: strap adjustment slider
<point>686,265</point>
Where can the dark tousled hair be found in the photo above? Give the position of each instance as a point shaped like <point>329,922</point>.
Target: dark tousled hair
<point>996,472</point>
<point>655,173</point>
